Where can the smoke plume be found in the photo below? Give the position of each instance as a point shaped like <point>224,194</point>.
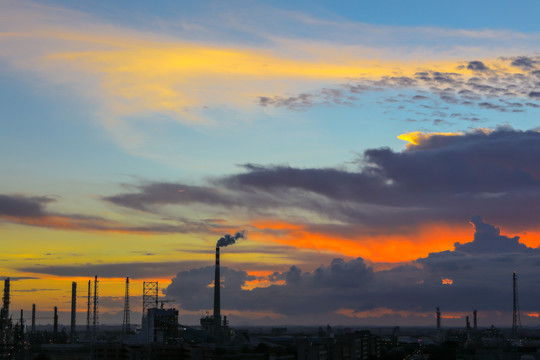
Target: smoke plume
<point>229,239</point>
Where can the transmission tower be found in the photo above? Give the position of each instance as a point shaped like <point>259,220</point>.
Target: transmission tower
<point>95,312</point>
<point>150,295</point>
<point>126,323</point>
<point>516,319</point>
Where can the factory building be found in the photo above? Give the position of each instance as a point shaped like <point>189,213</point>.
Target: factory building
<point>161,326</point>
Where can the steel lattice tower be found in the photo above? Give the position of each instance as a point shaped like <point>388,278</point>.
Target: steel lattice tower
<point>126,322</point>
<point>96,310</point>
<point>150,295</point>
<point>516,318</point>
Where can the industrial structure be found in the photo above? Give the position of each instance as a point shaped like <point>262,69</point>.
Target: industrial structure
<point>95,314</point>
<point>33,318</point>
<point>126,320</point>
<point>88,309</point>
<point>161,326</point>
<point>150,295</point>
<point>162,336</point>
<point>217,297</point>
<point>55,322</point>
<point>516,318</point>
<point>73,311</point>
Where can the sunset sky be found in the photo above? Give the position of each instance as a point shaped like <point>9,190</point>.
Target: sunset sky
<point>383,157</point>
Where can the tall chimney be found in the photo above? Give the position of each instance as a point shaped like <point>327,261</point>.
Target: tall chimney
<point>55,324</point>
<point>4,314</point>
<point>22,322</point>
<point>217,288</point>
<point>33,318</point>
<point>438,319</point>
<point>516,320</point>
<point>6,301</point>
<point>73,309</point>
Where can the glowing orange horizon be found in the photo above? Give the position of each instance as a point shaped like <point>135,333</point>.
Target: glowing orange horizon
<point>416,243</point>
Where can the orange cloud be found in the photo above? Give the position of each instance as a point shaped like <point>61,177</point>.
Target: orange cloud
<point>261,280</point>
<point>391,247</point>
<point>447,281</point>
<point>454,315</point>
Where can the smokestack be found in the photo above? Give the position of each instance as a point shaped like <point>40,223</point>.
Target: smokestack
<point>55,324</point>
<point>474,319</point>
<point>438,319</point>
<point>224,241</point>
<point>467,323</point>
<point>21,330</point>
<point>33,318</point>
<point>126,321</point>
<point>5,305</point>
<point>217,299</point>
<point>73,309</point>
<point>4,314</point>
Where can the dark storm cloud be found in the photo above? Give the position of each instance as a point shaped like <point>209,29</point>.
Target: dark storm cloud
<point>23,206</point>
<point>441,179</point>
<point>479,276</point>
<point>340,279</point>
<point>510,85</point>
<point>488,239</point>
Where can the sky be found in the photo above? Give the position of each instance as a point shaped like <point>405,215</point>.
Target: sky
<point>381,157</point>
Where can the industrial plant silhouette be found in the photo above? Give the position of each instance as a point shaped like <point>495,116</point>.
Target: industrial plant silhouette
<point>160,335</point>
